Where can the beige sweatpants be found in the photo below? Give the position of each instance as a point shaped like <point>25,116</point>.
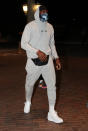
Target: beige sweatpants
<point>48,73</point>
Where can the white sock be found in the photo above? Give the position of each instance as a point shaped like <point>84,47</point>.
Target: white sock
<point>51,108</point>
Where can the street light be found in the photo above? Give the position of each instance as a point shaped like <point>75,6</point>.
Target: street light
<point>25,8</point>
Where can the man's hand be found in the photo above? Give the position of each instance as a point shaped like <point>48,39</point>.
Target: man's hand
<point>41,55</point>
<point>58,64</point>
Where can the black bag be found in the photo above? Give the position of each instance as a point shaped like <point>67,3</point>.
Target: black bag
<point>38,62</point>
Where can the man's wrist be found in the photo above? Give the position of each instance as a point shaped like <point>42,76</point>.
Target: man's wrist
<point>57,59</point>
<point>37,52</point>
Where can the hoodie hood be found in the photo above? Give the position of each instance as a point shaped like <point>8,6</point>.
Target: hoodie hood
<point>36,15</point>
<point>40,8</point>
<point>41,25</point>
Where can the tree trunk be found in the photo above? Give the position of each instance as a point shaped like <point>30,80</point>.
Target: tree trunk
<point>30,14</point>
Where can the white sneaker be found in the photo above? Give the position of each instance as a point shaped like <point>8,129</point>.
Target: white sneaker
<point>52,116</point>
<point>27,107</point>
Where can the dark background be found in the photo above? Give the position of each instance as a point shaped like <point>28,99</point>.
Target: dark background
<point>68,18</point>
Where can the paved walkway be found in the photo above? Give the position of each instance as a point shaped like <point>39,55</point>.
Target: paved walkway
<point>72,96</point>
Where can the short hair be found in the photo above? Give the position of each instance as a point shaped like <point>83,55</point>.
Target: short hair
<point>42,7</point>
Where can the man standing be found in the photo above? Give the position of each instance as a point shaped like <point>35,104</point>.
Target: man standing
<point>38,41</point>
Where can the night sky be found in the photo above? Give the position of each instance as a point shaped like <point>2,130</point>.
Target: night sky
<point>13,19</point>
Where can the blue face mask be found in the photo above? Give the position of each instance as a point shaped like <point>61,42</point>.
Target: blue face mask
<point>44,17</point>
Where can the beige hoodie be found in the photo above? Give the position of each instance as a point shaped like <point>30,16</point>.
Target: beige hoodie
<point>38,35</point>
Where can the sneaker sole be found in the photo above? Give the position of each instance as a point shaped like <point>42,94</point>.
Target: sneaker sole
<point>52,120</point>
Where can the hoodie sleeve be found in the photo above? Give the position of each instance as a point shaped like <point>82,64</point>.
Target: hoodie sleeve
<point>25,40</point>
<point>52,45</point>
